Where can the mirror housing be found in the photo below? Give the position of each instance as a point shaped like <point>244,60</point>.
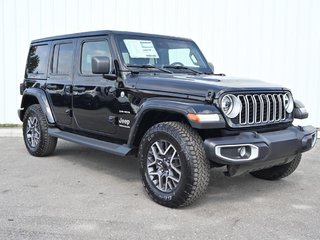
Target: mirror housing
<point>211,66</point>
<point>100,65</point>
<point>299,111</point>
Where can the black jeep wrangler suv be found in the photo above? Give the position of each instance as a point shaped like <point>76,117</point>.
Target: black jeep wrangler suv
<point>157,97</point>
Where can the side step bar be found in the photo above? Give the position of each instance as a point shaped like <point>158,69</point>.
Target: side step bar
<point>117,149</point>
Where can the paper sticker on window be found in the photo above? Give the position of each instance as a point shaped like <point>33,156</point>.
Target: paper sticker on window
<point>141,48</point>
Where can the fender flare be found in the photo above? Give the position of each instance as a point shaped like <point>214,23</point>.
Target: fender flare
<point>43,101</point>
<point>177,106</point>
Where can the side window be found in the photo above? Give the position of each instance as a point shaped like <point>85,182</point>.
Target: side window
<point>62,58</point>
<point>37,60</point>
<point>93,49</point>
<point>182,55</point>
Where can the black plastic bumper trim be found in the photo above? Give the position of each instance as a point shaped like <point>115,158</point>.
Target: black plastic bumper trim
<point>272,145</point>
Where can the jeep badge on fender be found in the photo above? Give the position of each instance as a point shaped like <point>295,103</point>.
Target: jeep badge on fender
<point>156,97</point>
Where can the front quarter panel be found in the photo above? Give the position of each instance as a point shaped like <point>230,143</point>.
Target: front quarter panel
<point>178,106</point>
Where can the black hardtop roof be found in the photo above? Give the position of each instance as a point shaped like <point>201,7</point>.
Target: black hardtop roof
<point>99,33</point>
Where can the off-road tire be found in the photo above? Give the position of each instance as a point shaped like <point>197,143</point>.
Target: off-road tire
<point>47,144</point>
<point>278,172</point>
<point>195,175</point>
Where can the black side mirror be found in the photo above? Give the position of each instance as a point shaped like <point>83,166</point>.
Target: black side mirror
<point>101,65</point>
<point>211,66</point>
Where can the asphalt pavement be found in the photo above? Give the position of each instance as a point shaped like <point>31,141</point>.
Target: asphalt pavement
<point>80,193</point>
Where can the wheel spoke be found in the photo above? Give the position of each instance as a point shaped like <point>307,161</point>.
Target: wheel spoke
<point>153,173</point>
<point>173,154</point>
<point>36,137</point>
<point>160,182</point>
<point>154,152</point>
<point>175,168</point>
<point>166,185</point>
<point>37,131</point>
<point>152,163</point>
<point>172,164</point>
<point>174,179</point>
<point>159,148</point>
<point>29,123</point>
<point>32,142</point>
<point>167,149</point>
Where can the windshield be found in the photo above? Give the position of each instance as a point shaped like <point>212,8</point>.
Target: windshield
<point>174,54</point>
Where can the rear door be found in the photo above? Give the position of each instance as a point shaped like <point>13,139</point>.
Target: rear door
<point>94,97</point>
<point>59,81</point>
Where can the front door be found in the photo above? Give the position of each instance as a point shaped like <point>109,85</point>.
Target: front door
<point>59,81</point>
<point>94,97</point>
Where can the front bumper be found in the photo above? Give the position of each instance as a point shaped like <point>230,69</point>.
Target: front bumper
<point>250,151</point>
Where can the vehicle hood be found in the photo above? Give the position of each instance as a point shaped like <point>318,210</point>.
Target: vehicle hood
<point>200,85</point>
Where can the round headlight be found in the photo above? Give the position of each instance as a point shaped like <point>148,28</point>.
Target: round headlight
<point>288,102</point>
<point>230,105</point>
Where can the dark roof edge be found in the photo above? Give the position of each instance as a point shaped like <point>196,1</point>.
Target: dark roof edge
<point>99,33</point>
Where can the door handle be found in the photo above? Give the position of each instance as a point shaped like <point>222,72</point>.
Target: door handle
<point>80,89</point>
<point>51,87</point>
<point>67,89</point>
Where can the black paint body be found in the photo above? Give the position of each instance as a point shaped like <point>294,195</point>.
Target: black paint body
<point>115,110</point>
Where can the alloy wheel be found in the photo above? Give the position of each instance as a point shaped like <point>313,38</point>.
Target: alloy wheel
<point>33,131</point>
<point>164,166</point>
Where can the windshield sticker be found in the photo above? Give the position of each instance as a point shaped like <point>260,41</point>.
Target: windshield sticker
<point>141,48</point>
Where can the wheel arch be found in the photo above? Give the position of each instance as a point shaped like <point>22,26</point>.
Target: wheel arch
<point>36,96</point>
<point>150,118</point>
<point>154,111</point>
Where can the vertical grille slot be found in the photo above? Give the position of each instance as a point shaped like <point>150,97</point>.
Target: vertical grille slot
<point>283,110</point>
<point>242,115</point>
<point>266,111</point>
<point>259,108</point>
<point>271,109</point>
<point>251,107</point>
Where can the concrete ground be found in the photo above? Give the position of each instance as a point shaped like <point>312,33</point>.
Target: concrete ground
<point>79,193</point>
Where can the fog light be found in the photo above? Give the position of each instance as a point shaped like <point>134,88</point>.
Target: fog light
<point>242,151</point>
<point>237,152</point>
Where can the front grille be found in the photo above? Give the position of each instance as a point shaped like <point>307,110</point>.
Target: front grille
<point>261,109</point>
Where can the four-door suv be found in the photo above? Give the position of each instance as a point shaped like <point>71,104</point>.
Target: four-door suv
<point>157,97</point>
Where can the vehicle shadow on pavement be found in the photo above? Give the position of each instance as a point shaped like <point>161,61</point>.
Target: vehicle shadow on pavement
<point>125,168</point>
<point>246,188</point>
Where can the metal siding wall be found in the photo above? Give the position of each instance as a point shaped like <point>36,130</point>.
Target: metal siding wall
<point>272,40</point>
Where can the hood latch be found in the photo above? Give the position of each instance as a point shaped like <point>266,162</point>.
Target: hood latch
<point>209,96</point>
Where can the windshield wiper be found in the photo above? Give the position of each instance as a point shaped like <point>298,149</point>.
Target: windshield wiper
<point>182,67</point>
<point>146,66</point>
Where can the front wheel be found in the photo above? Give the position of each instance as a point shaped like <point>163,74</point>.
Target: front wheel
<point>173,164</point>
<point>278,172</point>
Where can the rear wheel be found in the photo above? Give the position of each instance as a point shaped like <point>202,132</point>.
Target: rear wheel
<point>173,164</point>
<point>35,132</point>
<point>278,172</point>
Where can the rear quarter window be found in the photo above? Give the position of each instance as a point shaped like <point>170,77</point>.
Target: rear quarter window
<point>37,61</point>
<point>62,59</point>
